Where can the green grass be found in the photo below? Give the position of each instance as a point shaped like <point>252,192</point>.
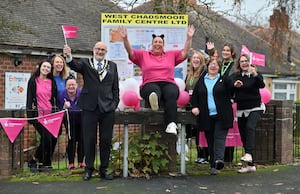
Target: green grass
<point>54,175</point>
<point>192,169</point>
<point>61,173</point>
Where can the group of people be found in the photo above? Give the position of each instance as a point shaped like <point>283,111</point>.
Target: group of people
<point>218,86</point>
<point>51,88</point>
<point>209,84</point>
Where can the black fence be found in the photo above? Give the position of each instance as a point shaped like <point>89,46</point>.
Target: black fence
<point>296,132</point>
<point>265,150</point>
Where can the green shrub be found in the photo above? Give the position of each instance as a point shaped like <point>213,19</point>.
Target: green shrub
<point>146,155</point>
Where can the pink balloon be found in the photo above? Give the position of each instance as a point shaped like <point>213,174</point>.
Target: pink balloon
<point>137,107</point>
<point>183,98</point>
<point>265,95</point>
<point>130,98</point>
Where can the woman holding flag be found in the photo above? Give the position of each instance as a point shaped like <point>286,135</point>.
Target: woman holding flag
<point>246,83</point>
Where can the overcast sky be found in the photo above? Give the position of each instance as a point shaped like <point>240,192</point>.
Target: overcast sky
<point>257,12</point>
<point>248,6</point>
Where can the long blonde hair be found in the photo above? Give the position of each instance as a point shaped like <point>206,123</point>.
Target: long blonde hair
<point>196,72</point>
<point>64,73</point>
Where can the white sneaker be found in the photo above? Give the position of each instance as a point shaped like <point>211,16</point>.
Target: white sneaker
<point>247,169</point>
<point>153,100</point>
<point>247,158</point>
<point>172,128</point>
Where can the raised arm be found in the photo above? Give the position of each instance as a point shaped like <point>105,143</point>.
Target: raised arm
<point>210,48</point>
<point>188,42</point>
<point>67,52</point>
<point>70,62</point>
<point>123,33</point>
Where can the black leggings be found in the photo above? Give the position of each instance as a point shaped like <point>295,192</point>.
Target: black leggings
<point>76,138</point>
<point>47,145</point>
<point>247,126</point>
<point>167,93</point>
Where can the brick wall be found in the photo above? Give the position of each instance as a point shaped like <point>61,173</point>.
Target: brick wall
<point>6,65</point>
<point>274,134</point>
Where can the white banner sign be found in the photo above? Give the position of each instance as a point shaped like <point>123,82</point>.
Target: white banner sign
<point>16,89</point>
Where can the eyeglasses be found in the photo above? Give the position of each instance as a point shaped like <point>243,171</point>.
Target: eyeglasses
<point>244,61</point>
<point>213,64</point>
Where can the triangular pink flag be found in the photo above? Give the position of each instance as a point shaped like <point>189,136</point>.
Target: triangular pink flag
<point>52,122</point>
<point>12,127</point>
<point>245,50</point>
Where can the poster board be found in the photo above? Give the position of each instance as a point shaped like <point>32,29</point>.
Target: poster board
<point>16,89</point>
<point>140,28</point>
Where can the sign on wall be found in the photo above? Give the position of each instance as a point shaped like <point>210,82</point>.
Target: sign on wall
<point>16,89</point>
<point>140,28</point>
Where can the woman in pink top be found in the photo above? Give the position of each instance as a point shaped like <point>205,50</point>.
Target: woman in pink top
<point>42,100</point>
<point>157,68</point>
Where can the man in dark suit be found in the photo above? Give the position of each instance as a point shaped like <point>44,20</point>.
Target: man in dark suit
<point>98,100</point>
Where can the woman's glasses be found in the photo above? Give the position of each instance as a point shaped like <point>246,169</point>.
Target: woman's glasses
<point>244,61</point>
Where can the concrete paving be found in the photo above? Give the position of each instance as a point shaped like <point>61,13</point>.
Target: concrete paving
<point>278,181</point>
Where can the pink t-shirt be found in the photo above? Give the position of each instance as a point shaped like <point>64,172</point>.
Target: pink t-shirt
<point>157,68</point>
<point>43,95</point>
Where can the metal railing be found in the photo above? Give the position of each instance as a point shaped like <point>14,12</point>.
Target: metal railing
<point>296,132</point>
<point>265,148</point>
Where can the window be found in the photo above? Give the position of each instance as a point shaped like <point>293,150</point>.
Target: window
<point>280,86</point>
<point>284,90</point>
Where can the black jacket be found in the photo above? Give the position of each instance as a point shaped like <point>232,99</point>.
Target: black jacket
<point>248,96</point>
<point>104,93</point>
<point>221,92</point>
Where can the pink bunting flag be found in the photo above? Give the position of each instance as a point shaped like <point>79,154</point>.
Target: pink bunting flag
<point>233,136</point>
<point>70,31</point>
<point>52,122</point>
<point>12,127</point>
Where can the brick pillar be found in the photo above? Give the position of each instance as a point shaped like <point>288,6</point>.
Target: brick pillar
<point>284,131</point>
<point>274,133</point>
